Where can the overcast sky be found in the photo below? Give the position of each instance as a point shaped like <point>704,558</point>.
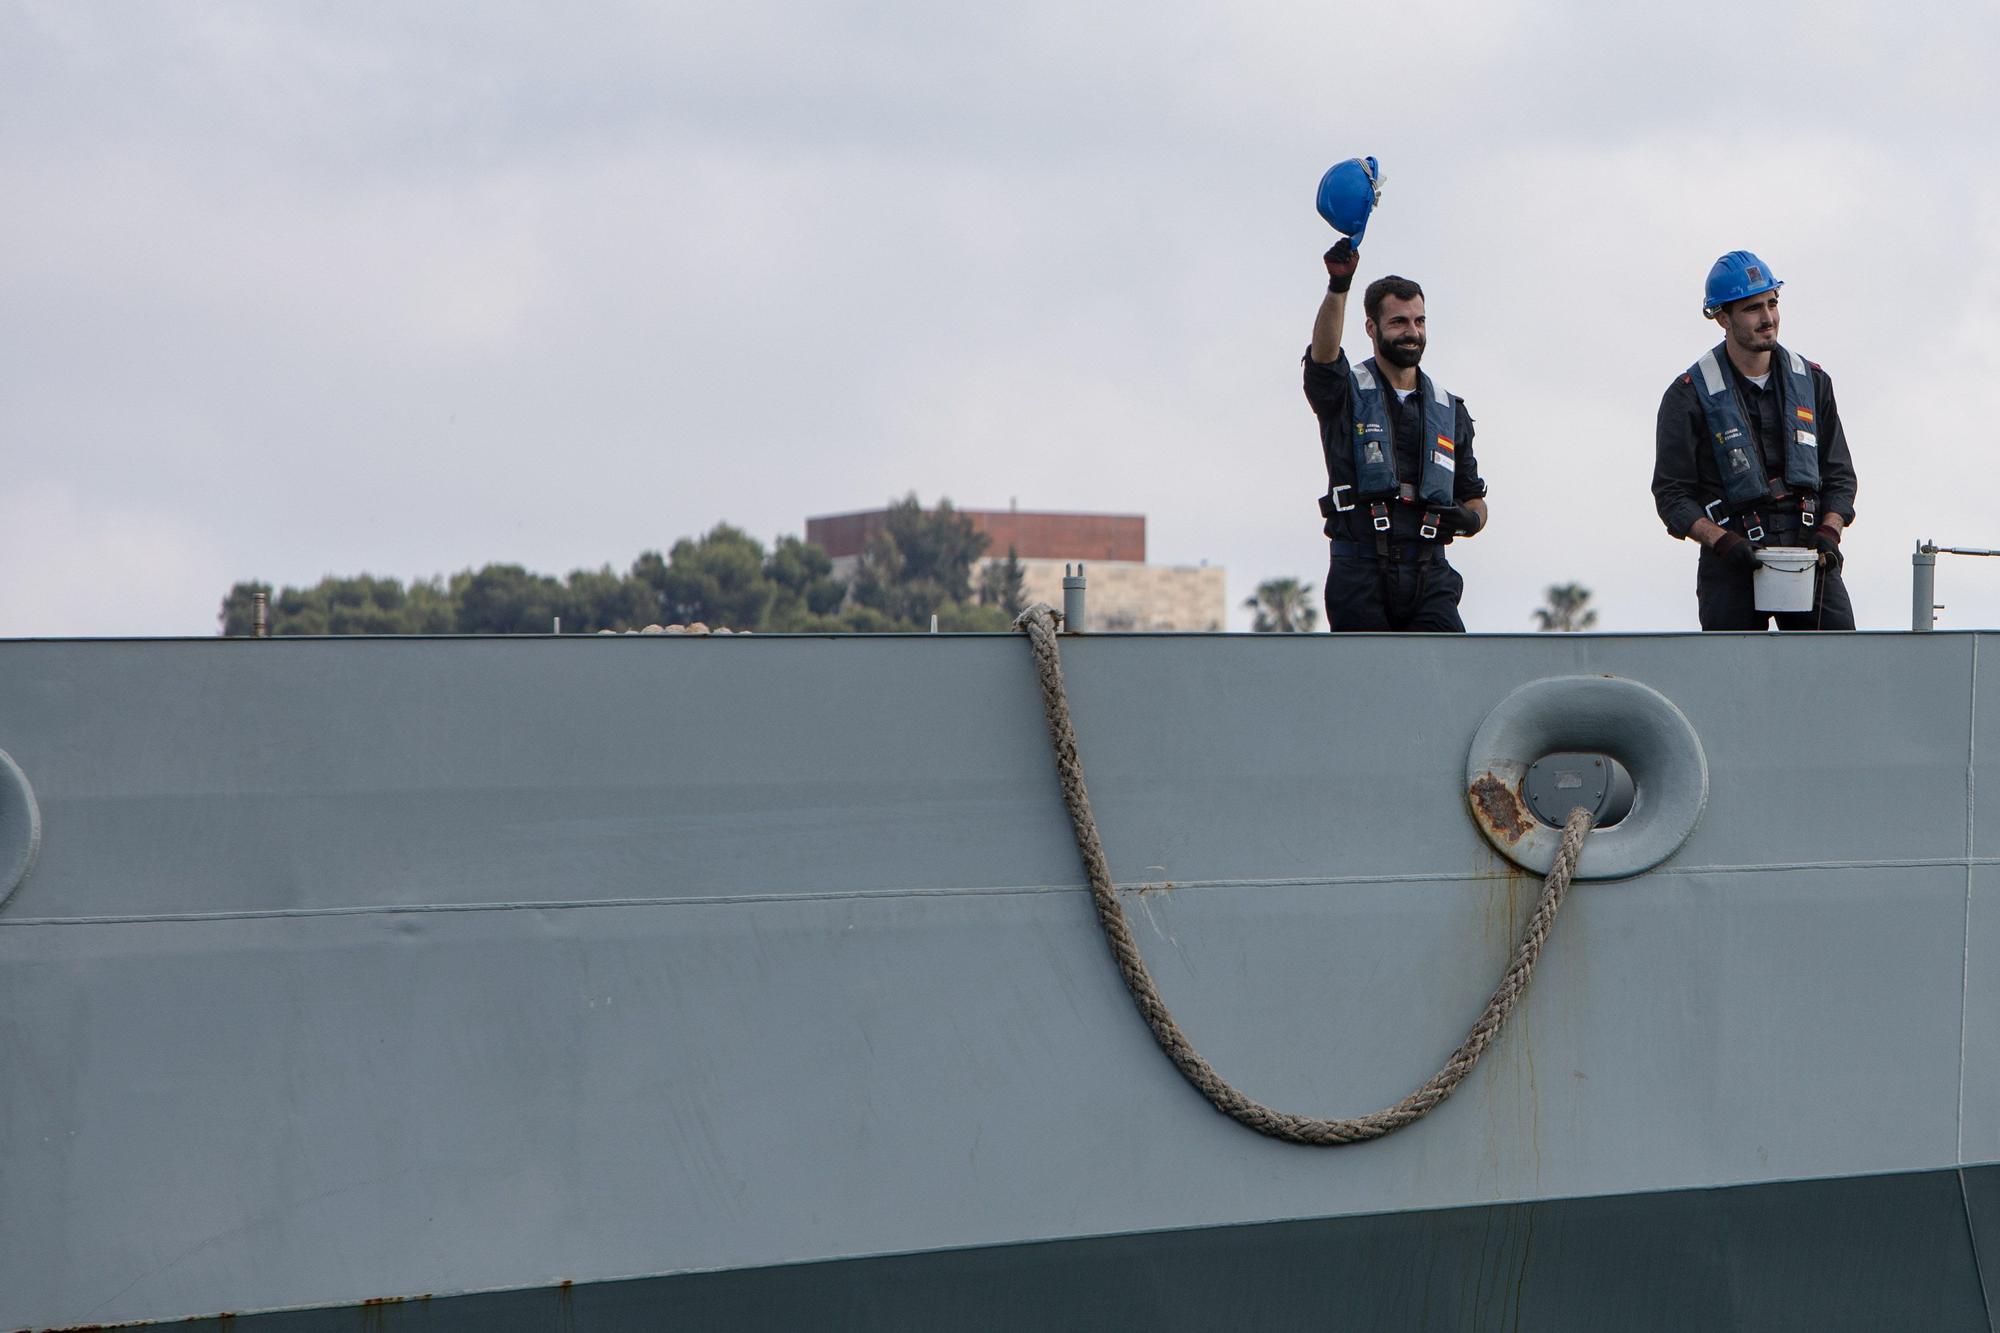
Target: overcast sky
<point>292,289</point>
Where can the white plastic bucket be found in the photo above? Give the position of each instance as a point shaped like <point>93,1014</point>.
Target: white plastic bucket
<point>1784,578</point>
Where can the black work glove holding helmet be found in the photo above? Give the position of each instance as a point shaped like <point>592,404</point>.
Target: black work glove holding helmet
<point>1463,520</point>
<point>1736,552</point>
<point>1826,540</point>
<point>1341,261</point>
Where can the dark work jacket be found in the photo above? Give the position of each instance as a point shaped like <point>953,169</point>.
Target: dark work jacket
<point>1330,393</point>
<point>1685,477</point>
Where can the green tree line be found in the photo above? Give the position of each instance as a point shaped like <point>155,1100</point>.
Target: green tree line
<point>920,564</point>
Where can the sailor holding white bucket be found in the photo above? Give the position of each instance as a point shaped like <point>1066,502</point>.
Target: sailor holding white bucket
<point>1750,460</point>
<point>1401,478</point>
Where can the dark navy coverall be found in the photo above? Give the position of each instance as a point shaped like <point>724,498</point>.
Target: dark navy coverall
<point>1405,582</point>
<point>1685,478</point>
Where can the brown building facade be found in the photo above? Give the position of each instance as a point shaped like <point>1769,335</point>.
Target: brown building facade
<point>1032,536</point>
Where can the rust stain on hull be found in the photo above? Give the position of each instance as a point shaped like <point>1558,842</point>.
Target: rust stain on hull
<point>1498,808</point>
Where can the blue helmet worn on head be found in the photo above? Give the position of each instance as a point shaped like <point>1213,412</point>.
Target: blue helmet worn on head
<point>1734,276</point>
<point>1348,193</point>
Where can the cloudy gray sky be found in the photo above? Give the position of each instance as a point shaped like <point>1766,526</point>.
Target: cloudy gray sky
<point>289,289</point>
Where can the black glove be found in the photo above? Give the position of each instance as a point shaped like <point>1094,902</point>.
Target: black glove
<point>1826,540</point>
<point>1736,552</point>
<point>1341,261</point>
<point>1463,520</point>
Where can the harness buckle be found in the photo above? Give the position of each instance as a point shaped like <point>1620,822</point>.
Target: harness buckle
<point>1338,507</point>
<point>1428,529</point>
<point>1380,512</point>
<point>1755,532</point>
<point>1720,520</point>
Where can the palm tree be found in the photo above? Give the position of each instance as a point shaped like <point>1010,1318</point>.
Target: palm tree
<point>1566,610</point>
<point>1283,606</point>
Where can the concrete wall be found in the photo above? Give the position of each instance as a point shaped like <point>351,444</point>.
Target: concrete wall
<point>1119,596</point>
<point>1122,596</point>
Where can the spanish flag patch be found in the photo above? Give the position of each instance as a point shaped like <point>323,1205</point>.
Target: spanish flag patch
<point>1804,414</point>
<point>1444,443</point>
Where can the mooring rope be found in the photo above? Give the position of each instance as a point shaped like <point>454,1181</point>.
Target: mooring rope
<point>1038,622</point>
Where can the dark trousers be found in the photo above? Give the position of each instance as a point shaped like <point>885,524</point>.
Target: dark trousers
<point>1726,601</point>
<point>1370,593</point>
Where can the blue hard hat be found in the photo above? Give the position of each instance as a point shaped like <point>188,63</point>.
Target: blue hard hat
<point>1348,193</point>
<point>1736,275</point>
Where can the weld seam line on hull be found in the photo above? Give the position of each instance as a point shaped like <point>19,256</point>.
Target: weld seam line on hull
<point>1965,963</point>
<point>1446,877</point>
<point>538,905</point>
<point>971,891</point>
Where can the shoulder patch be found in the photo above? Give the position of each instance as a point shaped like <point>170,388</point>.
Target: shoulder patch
<point>1687,378</point>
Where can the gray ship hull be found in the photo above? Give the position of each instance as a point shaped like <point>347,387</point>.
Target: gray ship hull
<point>623,983</point>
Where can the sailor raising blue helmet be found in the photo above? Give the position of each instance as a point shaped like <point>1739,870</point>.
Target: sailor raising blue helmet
<point>1749,452</point>
<point>1401,478</point>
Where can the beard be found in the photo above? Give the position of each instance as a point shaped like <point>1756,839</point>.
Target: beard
<point>1403,356</point>
<point>1754,338</point>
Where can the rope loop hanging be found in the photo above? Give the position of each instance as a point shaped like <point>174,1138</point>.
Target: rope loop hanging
<point>1039,623</point>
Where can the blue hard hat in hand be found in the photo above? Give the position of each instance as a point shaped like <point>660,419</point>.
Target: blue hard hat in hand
<point>1348,193</point>
<point>1734,276</point>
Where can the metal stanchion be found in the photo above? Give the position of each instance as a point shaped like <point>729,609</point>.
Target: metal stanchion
<point>1923,581</point>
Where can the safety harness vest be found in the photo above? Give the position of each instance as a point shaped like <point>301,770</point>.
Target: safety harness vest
<point>1375,480</point>
<point>1745,484</point>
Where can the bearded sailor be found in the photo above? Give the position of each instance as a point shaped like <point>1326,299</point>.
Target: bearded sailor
<point>1402,482</point>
